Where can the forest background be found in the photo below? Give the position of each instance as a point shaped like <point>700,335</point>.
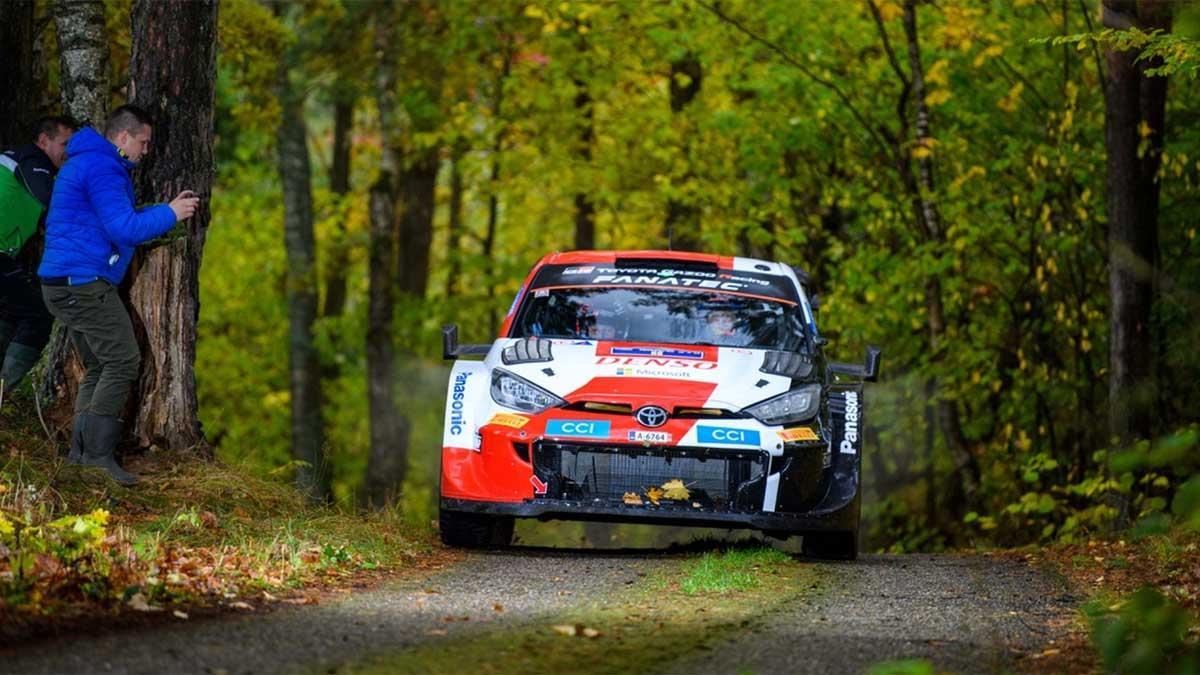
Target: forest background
<point>949,173</point>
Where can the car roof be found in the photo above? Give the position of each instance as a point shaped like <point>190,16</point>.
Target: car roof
<point>722,262</point>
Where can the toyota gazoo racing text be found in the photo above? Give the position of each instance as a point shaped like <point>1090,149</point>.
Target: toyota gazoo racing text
<point>655,387</point>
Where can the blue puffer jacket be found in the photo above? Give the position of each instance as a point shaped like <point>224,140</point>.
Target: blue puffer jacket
<point>92,226</point>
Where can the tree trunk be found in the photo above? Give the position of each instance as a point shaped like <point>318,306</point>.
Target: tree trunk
<point>927,214</point>
<point>17,79</point>
<point>83,57</point>
<point>304,372</point>
<point>454,226</point>
<point>339,184</point>
<point>585,118</point>
<point>172,76</point>
<point>1131,98</point>
<point>683,218</point>
<point>417,187</point>
<point>388,460</point>
<point>493,219</point>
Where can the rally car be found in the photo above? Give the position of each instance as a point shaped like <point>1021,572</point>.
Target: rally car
<point>655,387</point>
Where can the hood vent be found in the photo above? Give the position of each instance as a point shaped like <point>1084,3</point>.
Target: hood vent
<point>527,350</point>
<point>788,364</point>
<point>617,408</point>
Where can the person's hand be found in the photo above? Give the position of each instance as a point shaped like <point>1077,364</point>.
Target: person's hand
<point>185,205</point>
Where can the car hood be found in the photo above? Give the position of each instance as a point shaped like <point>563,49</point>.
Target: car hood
<point>637,374</point>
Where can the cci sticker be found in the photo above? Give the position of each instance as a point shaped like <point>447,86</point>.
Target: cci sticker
<point>509,420</point>
<point>798,434</point>
<point>727,436</point>
<point>650,436</point>
<point>579,428</point>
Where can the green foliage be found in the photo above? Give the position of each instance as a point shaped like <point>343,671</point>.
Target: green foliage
<point>1145,633</point>
<point>773,157</point>
<point>38,559</point>
<point>1167,53</point>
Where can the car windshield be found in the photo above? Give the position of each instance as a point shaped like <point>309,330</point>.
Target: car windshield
<point>661,315</point>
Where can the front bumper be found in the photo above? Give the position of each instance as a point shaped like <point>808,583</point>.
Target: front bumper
<point>843,519</point>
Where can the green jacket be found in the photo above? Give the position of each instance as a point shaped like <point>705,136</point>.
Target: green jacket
<point>26,178</point>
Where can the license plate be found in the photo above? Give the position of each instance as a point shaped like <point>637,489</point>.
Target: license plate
<point>650,436</point>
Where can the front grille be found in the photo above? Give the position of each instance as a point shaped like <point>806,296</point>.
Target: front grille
<point>719,480</point>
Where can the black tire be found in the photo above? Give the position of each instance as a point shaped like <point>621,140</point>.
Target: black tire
<point>474,530</point>
<point>830,545</point>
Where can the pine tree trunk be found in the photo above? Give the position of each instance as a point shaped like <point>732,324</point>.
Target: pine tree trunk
<point>17,79</point>
<point>454,226</point>
<point>585,210</point>
<point>1131,98</point>
<point>388,460</point>
<point>304,372</point>
<point>493,218</point>
<point>83,59</point>
<point>417,185</point>
<point>683,218</point>
<point>172,76</point>
<point>339,184</point>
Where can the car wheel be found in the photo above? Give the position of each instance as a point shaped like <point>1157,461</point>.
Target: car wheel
<point>831,545</point>
<point>474,530</point>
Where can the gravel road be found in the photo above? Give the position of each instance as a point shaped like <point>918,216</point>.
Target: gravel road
<point>965,613</point>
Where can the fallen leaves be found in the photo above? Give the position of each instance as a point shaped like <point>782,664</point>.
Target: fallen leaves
<point>673,490</point>
<point>138,602</point>
<point>576,630</point>
<point>676,490</point>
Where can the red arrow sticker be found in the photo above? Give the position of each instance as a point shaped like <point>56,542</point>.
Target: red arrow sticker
<point>539,487</point>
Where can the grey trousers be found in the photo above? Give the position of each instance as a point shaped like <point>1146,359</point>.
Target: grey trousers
<point>101,331</point>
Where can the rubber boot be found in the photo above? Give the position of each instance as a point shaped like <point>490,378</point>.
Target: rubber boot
<point>18,361</point>
<point>75,456</point>
<point>100,436</point>
<point>7,331</point>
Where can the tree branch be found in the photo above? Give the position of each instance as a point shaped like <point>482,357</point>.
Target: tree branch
<point>1095,49</point>
<point>804,69</point>
<point>887,44</point>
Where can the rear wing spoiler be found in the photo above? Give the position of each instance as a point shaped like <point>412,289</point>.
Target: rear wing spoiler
<point>451,350</point>
<point>867,372</point>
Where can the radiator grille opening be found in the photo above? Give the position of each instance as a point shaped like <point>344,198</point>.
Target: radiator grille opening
<point>718,480</point>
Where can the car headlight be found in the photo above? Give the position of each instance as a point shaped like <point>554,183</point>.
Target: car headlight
<point>514,392</point>
<point>796,405</point>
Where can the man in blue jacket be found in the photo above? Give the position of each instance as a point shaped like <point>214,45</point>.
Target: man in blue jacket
<point>91,231</point>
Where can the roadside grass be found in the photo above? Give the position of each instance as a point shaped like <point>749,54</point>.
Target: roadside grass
<point>735,569</point>
<point>192,533</point>
<point>644,628</point>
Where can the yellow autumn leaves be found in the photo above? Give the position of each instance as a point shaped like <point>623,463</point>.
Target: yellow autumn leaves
<point>673,490</point>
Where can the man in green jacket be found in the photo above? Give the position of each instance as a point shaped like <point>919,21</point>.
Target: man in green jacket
<point>26,180</point>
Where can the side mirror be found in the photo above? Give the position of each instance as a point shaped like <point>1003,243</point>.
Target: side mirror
<point>814,301</point>
<point>867,372</point>
<point>451,350</point>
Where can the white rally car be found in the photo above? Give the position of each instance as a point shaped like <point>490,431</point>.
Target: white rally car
<point>655,387</point>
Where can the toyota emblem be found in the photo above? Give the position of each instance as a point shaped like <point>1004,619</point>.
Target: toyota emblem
<point>651,416</point>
